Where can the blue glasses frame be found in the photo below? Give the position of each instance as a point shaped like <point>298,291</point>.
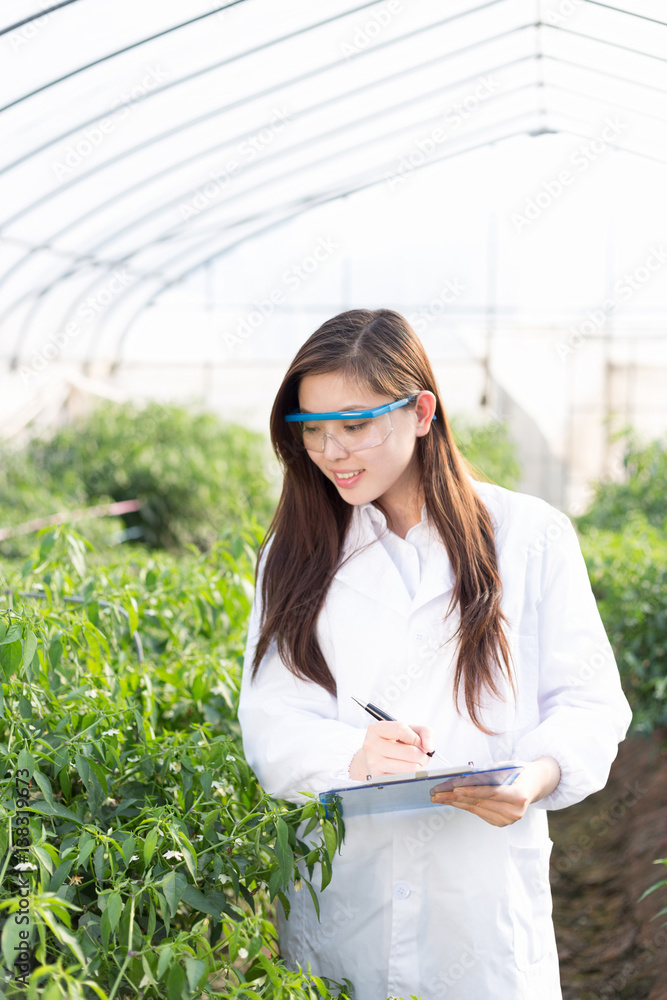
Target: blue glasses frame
<point>299,415</point>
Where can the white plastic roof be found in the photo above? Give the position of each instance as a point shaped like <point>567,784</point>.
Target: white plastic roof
<point>141,141</point>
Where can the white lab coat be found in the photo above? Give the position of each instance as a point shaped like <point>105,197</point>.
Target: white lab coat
<point>436,902</point>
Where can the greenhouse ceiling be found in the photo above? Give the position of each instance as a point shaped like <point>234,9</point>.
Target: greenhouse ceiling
<point>142,141</point>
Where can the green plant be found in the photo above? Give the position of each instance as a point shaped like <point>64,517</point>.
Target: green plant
<point>193,474</point>
<point>155,859</point>
<point>661,884</point>
<point>489,448</point>
<point>643,487</point>
<point>628,571</point>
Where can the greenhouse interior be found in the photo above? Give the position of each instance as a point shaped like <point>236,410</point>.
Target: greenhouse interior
<point>190,192</point>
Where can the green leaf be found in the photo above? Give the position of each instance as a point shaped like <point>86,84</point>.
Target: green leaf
<point>284,851</point>
<point>326,873</point>
<point>114,909</point>
<point>196,971</point>
<point>164,961</point>
<point>44,857</point>
<point>314,898</point>
<point>26,761</point>
<point>150,844</point>
<point>173,886</point>
<point>60,874</point>
<point>29,647</point>
<point>86,846</point>
<point>12,939</point>
<point>175,982</point>
<point>127,849</point>
<point>133,617</point>
<point>46,809</point>
<point>195,898</point>
<point>330,838</point>
<point>62,934</point>
<point>55,651</point>
<point>275,881</point>
<point>11,657</point>
<point>99,862</point>
<point>13,632</point>
<point>44,786</point>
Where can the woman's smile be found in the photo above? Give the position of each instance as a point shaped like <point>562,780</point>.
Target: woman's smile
<point>348,478</point>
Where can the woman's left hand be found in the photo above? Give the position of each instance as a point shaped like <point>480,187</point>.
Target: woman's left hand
<point>501,805</point>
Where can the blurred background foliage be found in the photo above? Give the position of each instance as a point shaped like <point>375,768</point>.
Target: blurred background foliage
<point>193,474</point>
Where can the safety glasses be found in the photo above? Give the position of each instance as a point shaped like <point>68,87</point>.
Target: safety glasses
<point>362,429</point>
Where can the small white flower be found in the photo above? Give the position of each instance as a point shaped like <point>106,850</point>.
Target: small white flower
<point>110,802</point>
<point>24,865</point>
<point>132,760</point>
<point>174,765</point>
<point>238,842</point>
<point>230,757</point>
<point>173,854</point>
<point>224,878</point>
<point>199,767</point>
<point>135,857</point>
<point>200,836</point>
<point>32,727</point>
<point>110,732</point>
<point>243,953</point>
<point>218,784</point>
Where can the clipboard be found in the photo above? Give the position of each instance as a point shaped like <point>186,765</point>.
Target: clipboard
<point>398,792</point>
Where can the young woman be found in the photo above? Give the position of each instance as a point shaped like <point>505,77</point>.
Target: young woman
<point>391,575</point>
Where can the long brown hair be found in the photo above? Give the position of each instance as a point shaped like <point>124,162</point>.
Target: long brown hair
<point>377,348</point>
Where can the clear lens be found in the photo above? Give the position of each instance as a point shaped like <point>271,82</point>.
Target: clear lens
<point>367,432</point>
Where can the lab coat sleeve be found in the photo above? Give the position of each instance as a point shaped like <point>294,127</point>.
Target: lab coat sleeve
<point>292,737</point>
<point>583,711</point>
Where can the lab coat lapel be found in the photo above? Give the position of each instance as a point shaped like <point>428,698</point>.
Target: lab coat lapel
<point>373,572</point>
<point>437,577</point>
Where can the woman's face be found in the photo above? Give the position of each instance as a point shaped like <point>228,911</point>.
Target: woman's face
<point>389,471</point>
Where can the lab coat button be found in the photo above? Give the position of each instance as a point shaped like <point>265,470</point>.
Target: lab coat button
<point>401,890</point>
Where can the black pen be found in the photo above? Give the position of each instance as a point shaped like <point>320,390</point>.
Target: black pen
<point>382,716</point>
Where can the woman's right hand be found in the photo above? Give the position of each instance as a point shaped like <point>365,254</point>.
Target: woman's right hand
<point>392,748</point>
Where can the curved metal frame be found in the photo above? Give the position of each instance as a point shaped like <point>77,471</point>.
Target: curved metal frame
<point>300,205</point>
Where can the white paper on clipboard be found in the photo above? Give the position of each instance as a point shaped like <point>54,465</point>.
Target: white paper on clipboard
<point>395,792</point>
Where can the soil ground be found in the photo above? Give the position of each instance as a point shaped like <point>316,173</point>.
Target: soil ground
<point>602,861</point>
